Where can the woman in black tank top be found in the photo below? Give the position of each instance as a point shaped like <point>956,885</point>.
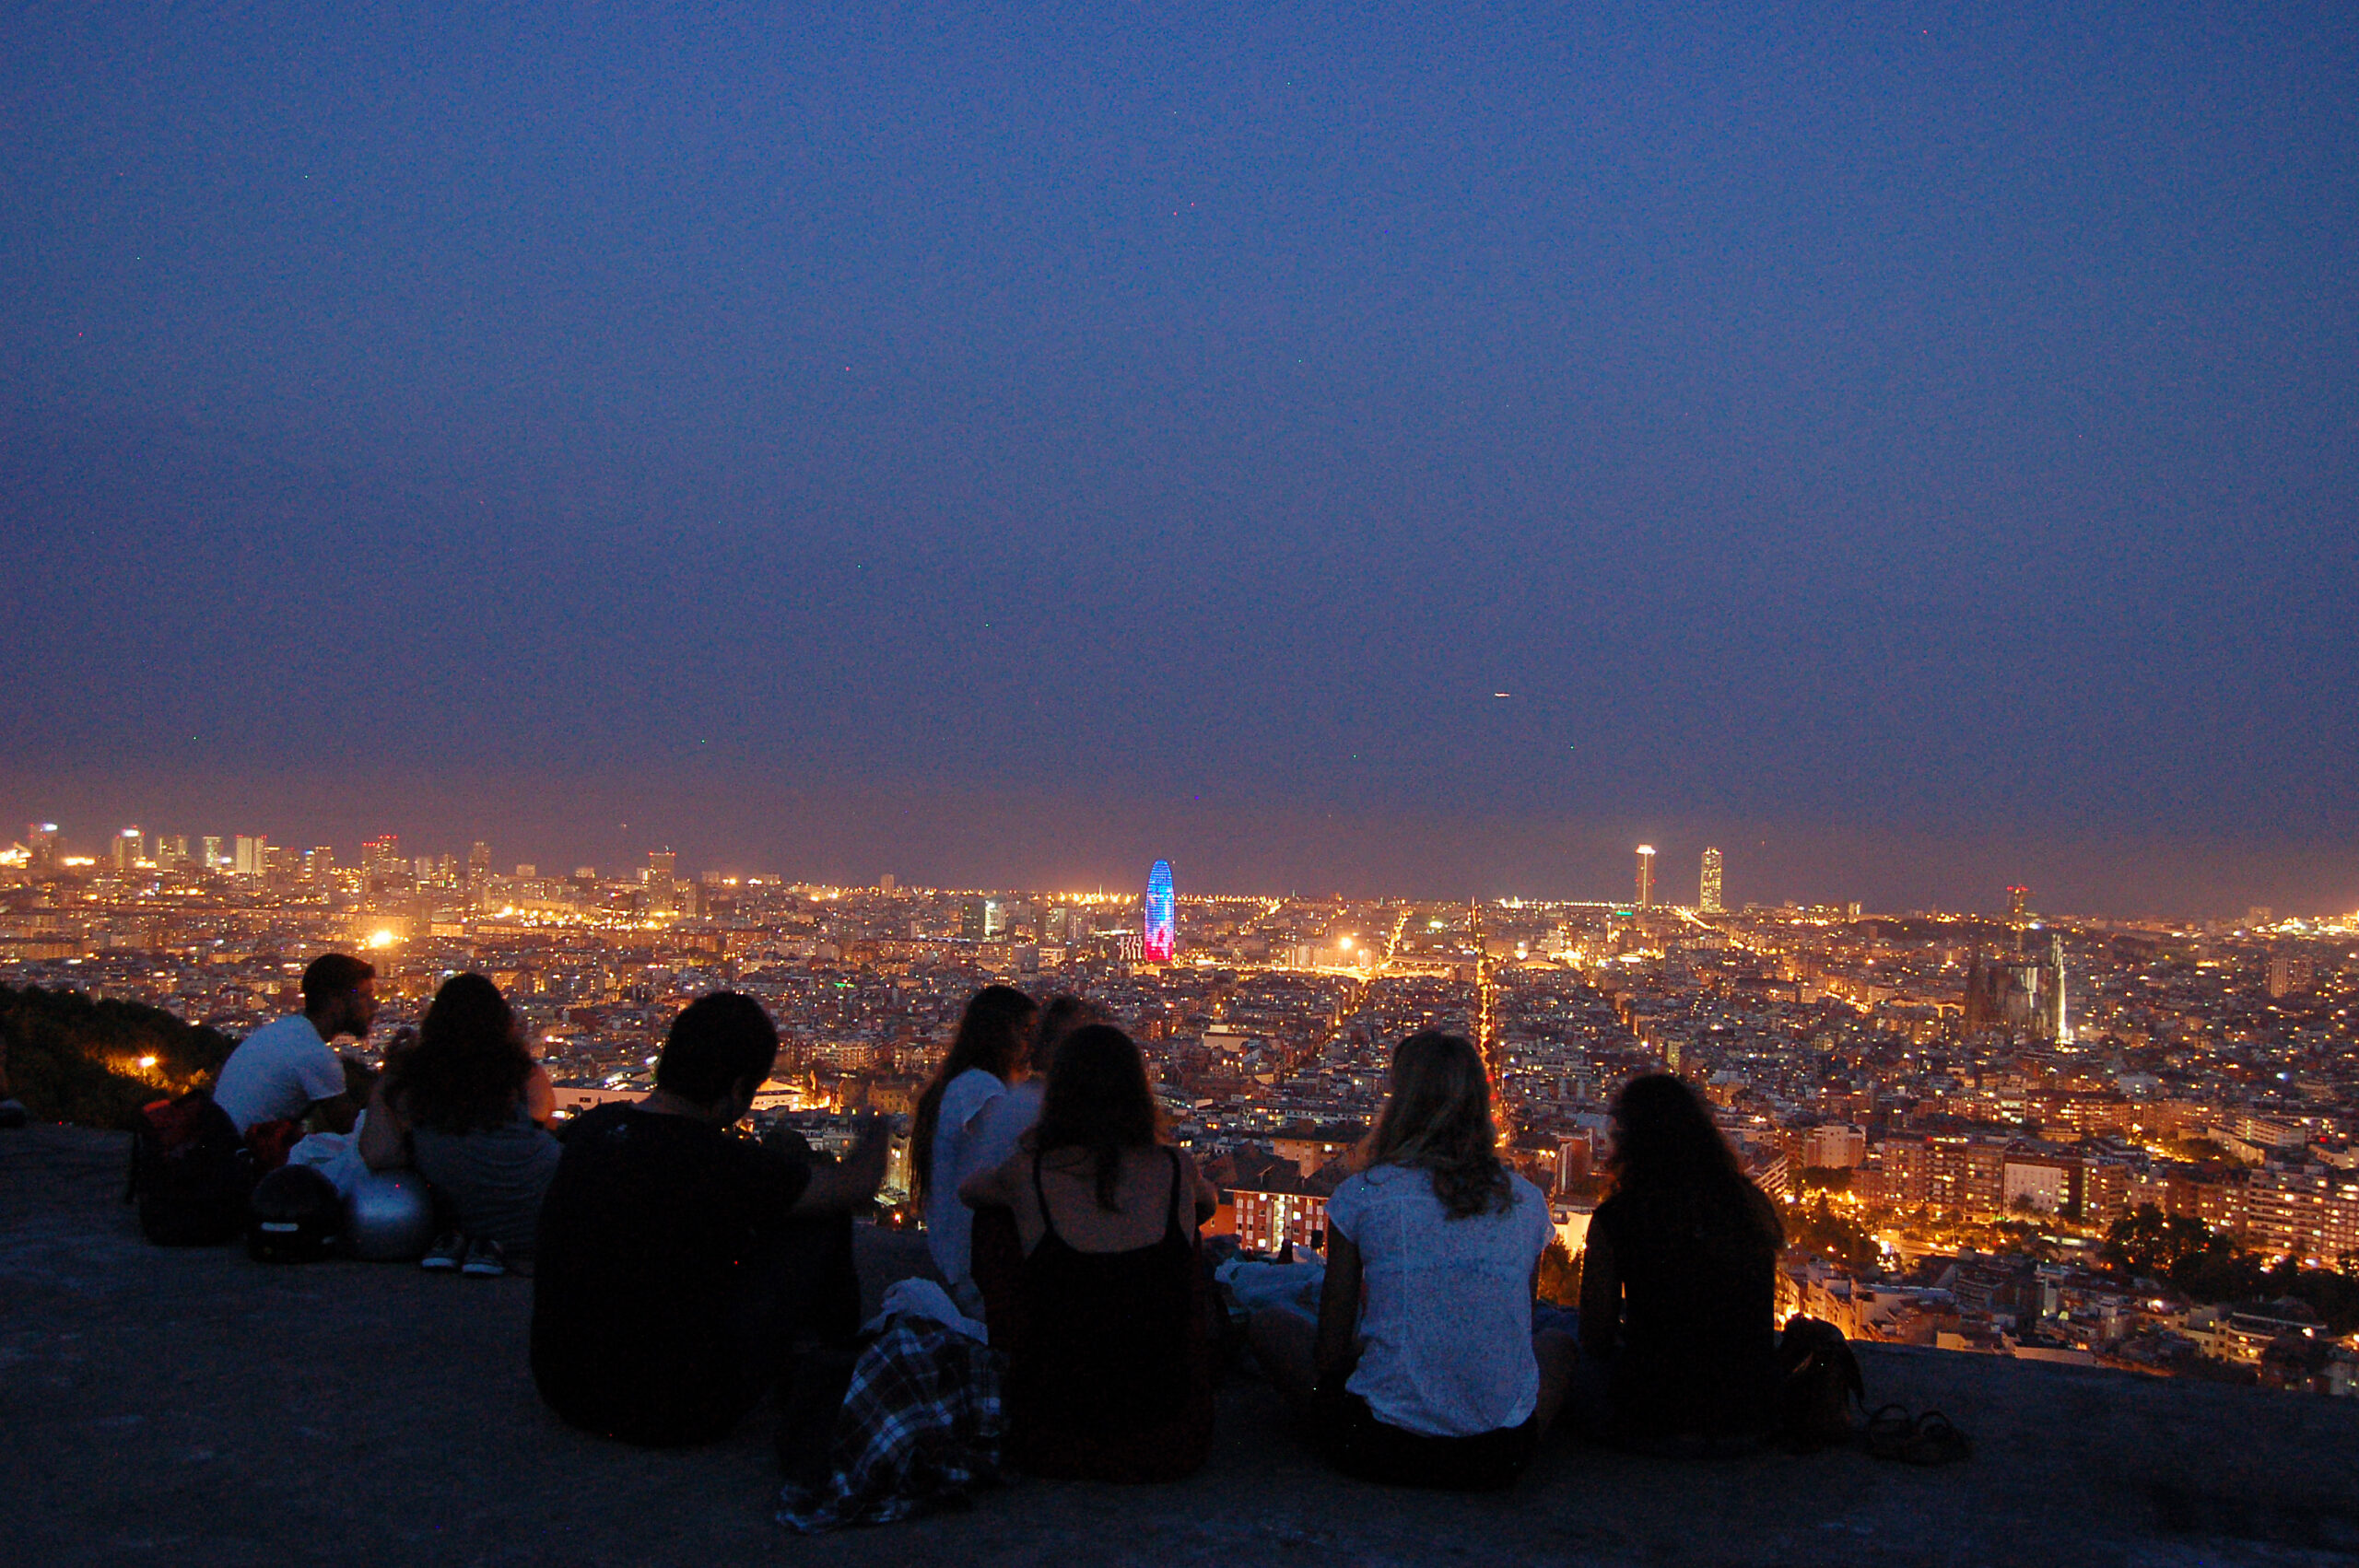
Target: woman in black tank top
<point>1109,1375</point>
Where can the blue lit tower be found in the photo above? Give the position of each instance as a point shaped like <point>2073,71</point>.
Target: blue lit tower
<point>1162,936</point>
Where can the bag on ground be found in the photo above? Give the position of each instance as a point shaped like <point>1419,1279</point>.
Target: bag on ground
<point>190,1173</point>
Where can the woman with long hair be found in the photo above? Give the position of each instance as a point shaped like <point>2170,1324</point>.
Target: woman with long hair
<point>988,1054</point>
<point>1679,1286</point>
<point>1423,1367</point>
<point>1110,1372</point>
<point>467,1106</point>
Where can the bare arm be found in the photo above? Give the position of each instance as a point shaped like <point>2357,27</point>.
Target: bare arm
<point>1206,1195</point>
<point>1339,1306</point>
<point>990,1189</point>
<point>540,1096</point>
<point>841,1189</point>
<point>384,1136</point>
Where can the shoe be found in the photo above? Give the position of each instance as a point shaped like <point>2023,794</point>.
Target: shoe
<point>449,1250</point>
<point>486,1259</point>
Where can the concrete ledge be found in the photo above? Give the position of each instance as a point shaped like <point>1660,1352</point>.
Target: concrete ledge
<point>191,1407</point>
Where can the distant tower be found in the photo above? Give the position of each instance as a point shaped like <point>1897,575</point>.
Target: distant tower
<point>1160,938</point>
<point>1646,876</point>
<point>478,861</point>
<point>126,849</point>
<point>2018,900</point>
<point>1707,895</point>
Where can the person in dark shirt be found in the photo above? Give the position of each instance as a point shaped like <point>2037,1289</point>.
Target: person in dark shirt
<point>1679,1285</point>
<point>675,1255</point>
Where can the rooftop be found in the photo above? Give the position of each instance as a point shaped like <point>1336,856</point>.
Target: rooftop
<point>192,1406</point>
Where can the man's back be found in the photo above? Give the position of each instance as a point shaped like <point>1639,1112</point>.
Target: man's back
<point>277,1072</point>
<point>648,1234</point>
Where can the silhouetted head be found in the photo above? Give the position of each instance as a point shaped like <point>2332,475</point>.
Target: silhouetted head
<point>1096,1099</point>
<point>996,1035</point>
<point>339,995</point>
<point>721,1044</point>
<point>1662,1135</point>
<point>1668,1160</point>
<point>1438,1119</point>
<point>1063,1015</point>
<point>468,1070</point>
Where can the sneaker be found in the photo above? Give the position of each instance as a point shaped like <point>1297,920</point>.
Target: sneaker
<point>449,1249</point>
<point>485,1259</point>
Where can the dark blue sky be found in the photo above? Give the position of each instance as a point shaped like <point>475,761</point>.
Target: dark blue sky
<point>1910,449</point>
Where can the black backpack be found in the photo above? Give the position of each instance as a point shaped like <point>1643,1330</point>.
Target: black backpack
<point>1821,1385</point>
<point>190,1173</point>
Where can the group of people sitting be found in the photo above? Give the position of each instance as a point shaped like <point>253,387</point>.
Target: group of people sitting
<point>684,1272</point>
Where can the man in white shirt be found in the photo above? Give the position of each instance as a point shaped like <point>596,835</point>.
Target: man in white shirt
<point>287,1068</point>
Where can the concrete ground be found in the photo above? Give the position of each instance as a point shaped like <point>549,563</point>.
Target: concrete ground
<point>192,1406</point>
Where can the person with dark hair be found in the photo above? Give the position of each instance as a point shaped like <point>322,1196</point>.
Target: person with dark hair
<point>468,1108</point>
<point>672,1288</point>
<point>990,1053</point>
<point>287,1070</point>
<point>1679,1287</point>
<point>1422,1368</point>
<point>1110,1376</point>
<point>1004,1118</point>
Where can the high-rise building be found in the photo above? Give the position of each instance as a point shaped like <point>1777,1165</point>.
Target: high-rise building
<point>662,868</point>
<point>40,837</point>
<point>1159,934</point>
<point>214,859</point>
<point>1646,876</point>
<point>885,883</point>
<point>1707,891</point>
<point>128,849</point>
<point>2018,901</point>
<point>251,857</point>
<point>981,919</point>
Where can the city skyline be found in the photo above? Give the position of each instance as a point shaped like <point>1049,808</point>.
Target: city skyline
<point>48,845</point>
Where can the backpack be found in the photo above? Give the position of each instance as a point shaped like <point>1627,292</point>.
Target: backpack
<point>1820,1384</point>
<point>190,1173</point>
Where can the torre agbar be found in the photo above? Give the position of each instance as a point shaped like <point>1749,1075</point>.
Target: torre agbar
<point>1162,936</point>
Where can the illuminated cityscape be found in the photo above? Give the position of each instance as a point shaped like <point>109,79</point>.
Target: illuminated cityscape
<point>1957,1153</point>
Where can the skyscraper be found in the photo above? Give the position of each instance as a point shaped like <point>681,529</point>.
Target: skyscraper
<point>1708,892</point>
<point>2018,900</point>
<point>1646,876</point>
<point>252,856</point>
<point>127,849</point>
<point>1160,938</point>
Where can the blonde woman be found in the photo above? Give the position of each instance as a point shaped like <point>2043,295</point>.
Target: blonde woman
<point>1422,1368</point>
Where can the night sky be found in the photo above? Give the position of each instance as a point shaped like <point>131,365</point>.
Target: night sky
<point>1910,447</point>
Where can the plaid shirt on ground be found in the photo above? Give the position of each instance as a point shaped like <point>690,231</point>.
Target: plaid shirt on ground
<point>921,1426</point>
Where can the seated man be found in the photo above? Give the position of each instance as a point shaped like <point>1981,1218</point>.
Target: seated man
<point>287,1070</point>
<point>674,1260</point>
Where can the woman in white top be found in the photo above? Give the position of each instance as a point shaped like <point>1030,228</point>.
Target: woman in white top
<point>1422,1368</point>
<point>988,1054</point>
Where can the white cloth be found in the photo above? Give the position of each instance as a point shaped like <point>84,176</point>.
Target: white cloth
<point>950,1224</point>
<point>922,1298</point>
<point>277,1072</point>
<point>1445,1304</point>
<point>1004,1118</point>
<point>1256,1285</point>
<point>335,1155</point>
